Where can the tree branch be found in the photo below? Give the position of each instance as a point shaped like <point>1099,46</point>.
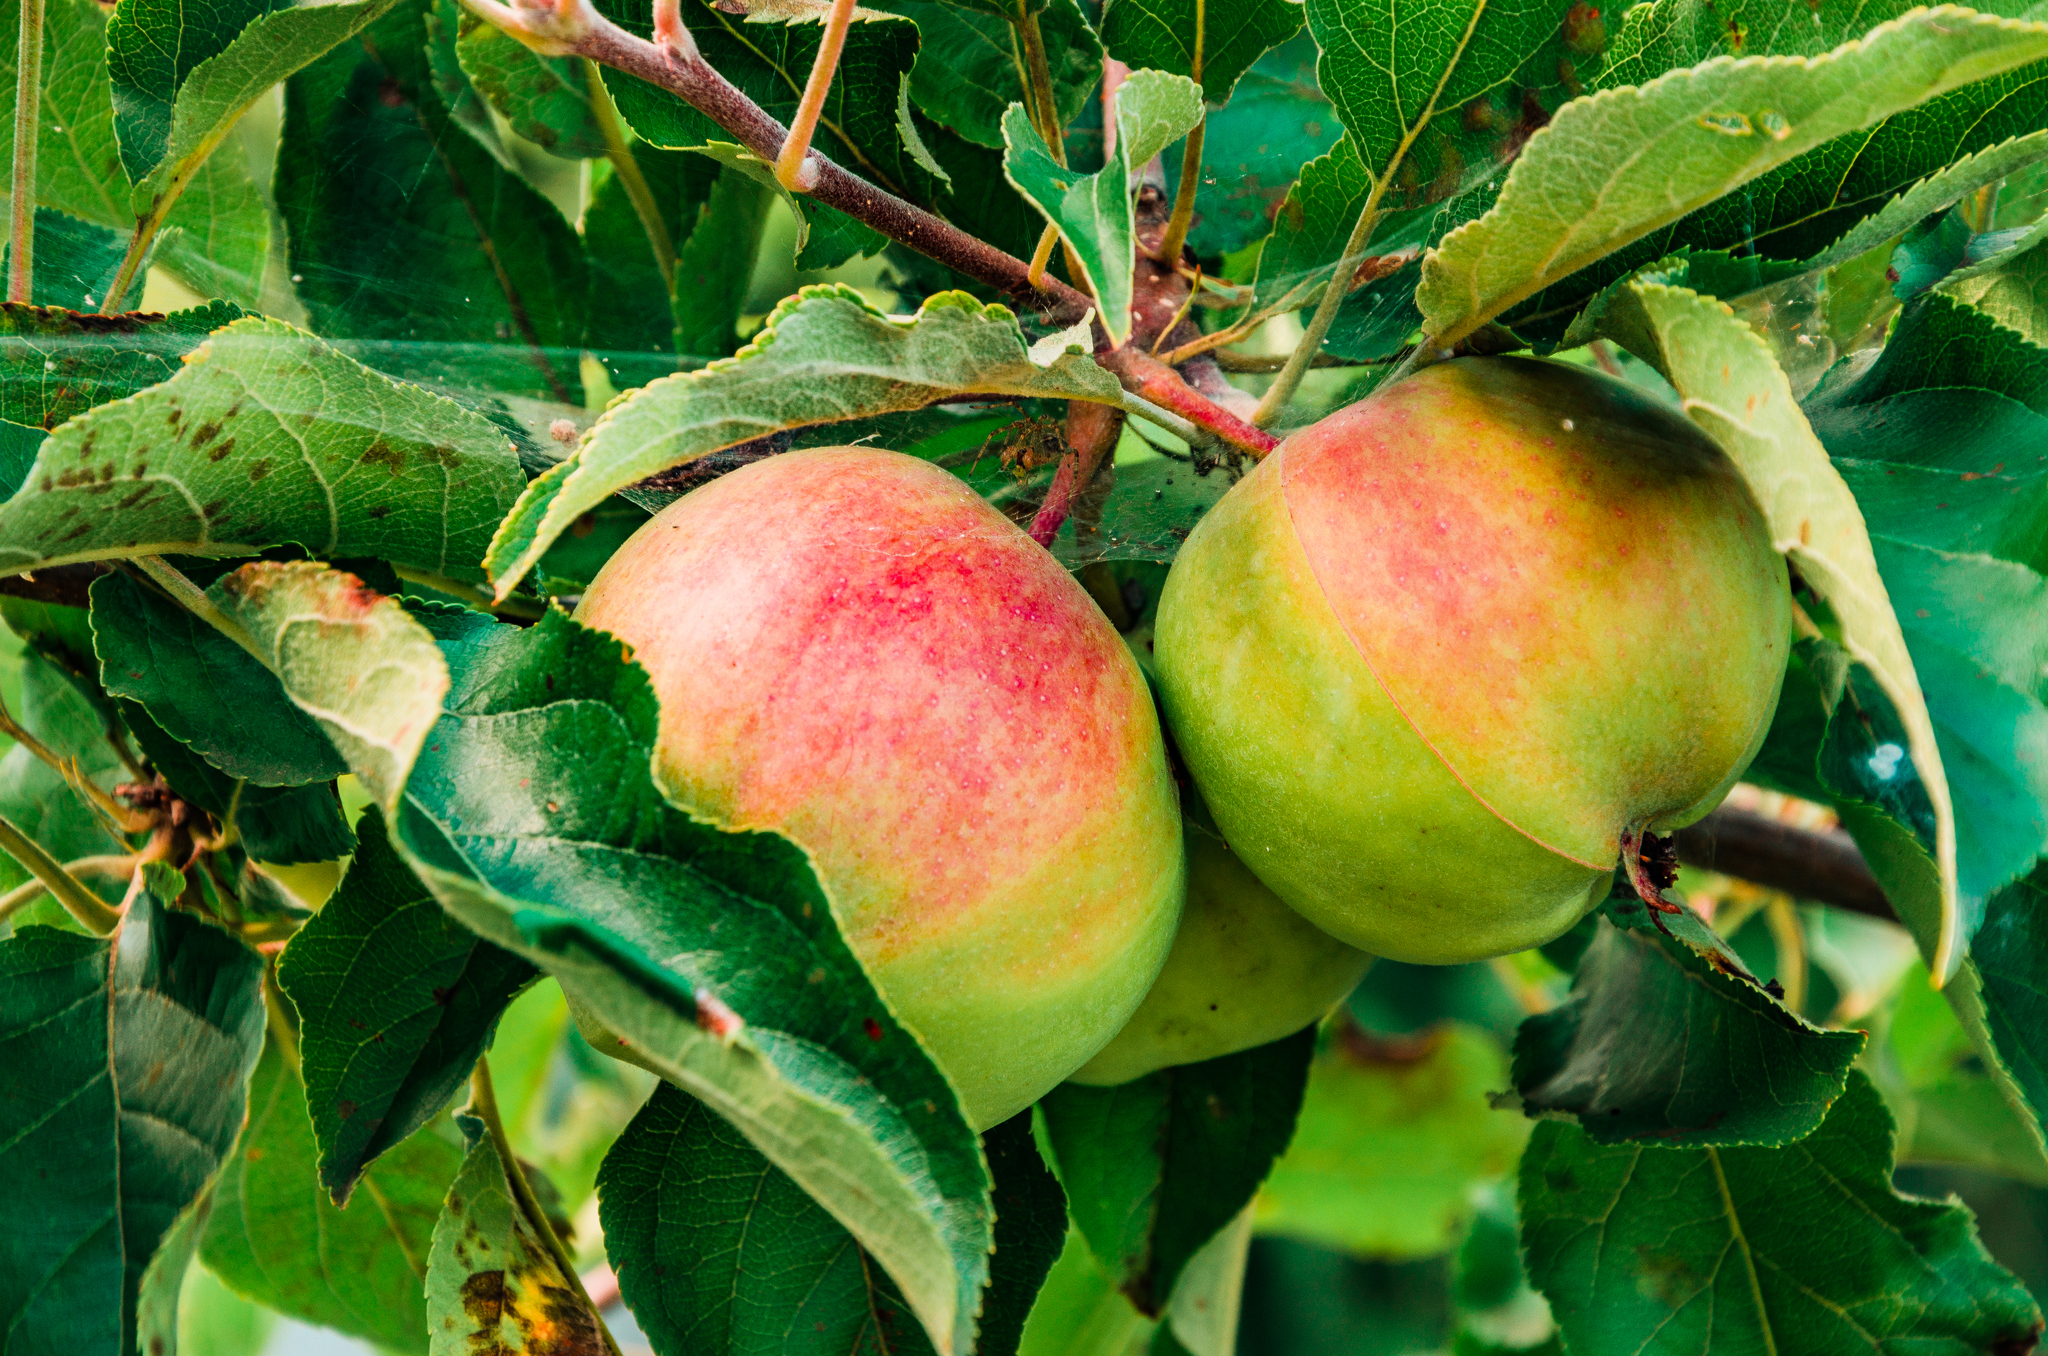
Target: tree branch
<point>1824,867</point>
<point>64,585</point>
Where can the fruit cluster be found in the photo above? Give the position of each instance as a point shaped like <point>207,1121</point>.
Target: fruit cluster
<point>1421,671</point>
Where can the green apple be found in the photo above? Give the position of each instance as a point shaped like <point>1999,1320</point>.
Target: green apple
<point>1436,653</point>
<point>1244,970</point>
<point>851,648</point>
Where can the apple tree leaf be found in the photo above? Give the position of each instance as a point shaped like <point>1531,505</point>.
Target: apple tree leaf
<point>710,957</point>
<point>1155,1168</point>
<point>1733,389</point>
<point>492,1288</point>
<point>544,99</point>
<point>825,355</point>
<point>1254,147</point>
<point>266,435</point>
<point>275,1237</point>
<point>1611,168</point>
<point>1660,1043</point>
<point>204,689</point>
<point>374,177</point>
<point>56,363</point>
<point>1801,1248</point>
<point>968,72</point>
<point>1163,35</point>
<point>1393,1139</point>
<point>356,662</point>
<point>396,1000</point>
<point>127,1066</point>
<point>717,1250</point>
<point>2015,294</point>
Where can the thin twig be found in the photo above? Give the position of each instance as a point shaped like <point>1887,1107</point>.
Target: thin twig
<point>114,865</point>
<point>630,178</point>
<point>1823,866</point>
<point>790,170</point>
<point>28,99</point>
<point>82,904</point>
<point>1283,387</point>
<point>483,1103</point>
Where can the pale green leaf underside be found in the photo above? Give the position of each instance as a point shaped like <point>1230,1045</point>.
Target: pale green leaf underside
<point>1154,109</point>
<point>221,88</point>
<point>824,356</point>
<point>369,675</point>
<point>266,436</point>
<point>1612,167</point>
<point>1734,389</point>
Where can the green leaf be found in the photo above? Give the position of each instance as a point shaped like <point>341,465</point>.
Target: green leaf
<point>709,290</point>
<point>2006,953</point>
<point>410,239</point>
<point>2015,294</point>
<point>33,797</point>
<point>544,99</point>
<point>710,957</point>
<point>54,363</point>
<point>492,1288</point>
<point>181,77</point>
<point>970,66</point>
<point>632,316</point>
<point>266,435</point>
<point>770,61</point>
<point>465,106</point>
<point>277,1239</point>
<point>126,1066</point>
<point>1612,168</point>
<point>368,674</point>
<point>854,362</point>
<point>1081,1312</point>
<point>1660,1043</point>
<point>1253,149</point>
<point>1162,35</point>
<point>1801,1248</point>
<point>718,1251</point>
<point>1093,211</point>
<point>204,689</point>
<point>1393,1138</point>
<point>1155,1168</point>
<point>1733,389</point>
<point>396,1000</point>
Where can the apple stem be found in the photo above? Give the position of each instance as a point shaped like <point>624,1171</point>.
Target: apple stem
<point>1652,867</point>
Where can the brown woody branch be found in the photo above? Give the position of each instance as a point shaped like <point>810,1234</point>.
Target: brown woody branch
<point>1824,866</point>
<point>65,585</point>
<point>575,28</point>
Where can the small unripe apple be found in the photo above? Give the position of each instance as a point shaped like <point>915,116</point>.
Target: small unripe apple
<point>1432,657</point>
<point>853,649</point>
<point>1244,970</point>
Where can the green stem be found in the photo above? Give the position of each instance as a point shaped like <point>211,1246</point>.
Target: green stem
<point>194,600</point>
<point>1190,157</point>
<point>483,1104</point>
<point>28,98</point>
<point>1282,389</point>
<point>630,178</point>
<point>88,908</point>
<point>1184,197</point>
<point>1043,105</point>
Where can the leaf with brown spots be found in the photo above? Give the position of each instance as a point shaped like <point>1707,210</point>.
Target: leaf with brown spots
<point>264,436</point>
<point>492,1289</point>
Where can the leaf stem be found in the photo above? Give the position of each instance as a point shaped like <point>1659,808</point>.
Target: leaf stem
<point>88,908</point>
<point>631,179</point>
<point>26,893</point>
<point>193,600</point>
<point>483,1103</point>
<point>1042,256</point>
<point>28,99</point>
<point>1176,235</point>
<point>789,161</point>
<point>1283,387</point>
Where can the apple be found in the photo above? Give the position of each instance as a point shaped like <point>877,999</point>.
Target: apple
<point>1244,970</point>
<point>1433,656</point>
<point>852,649</point>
